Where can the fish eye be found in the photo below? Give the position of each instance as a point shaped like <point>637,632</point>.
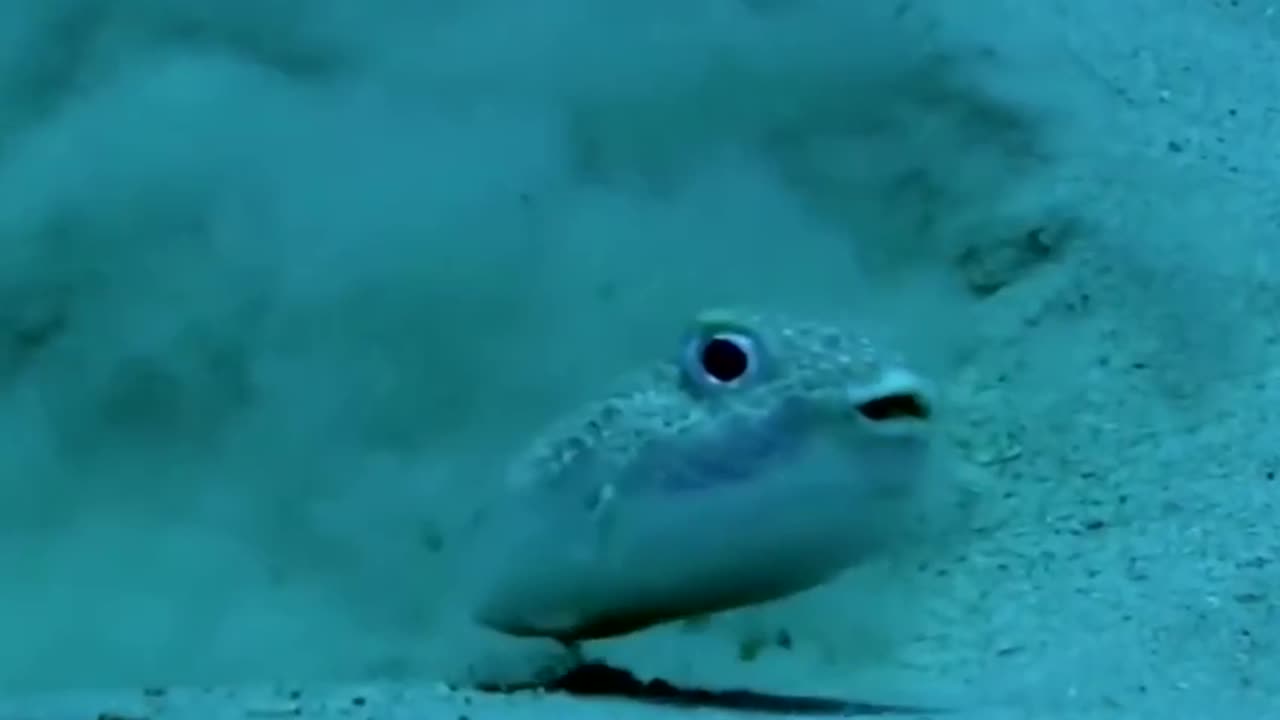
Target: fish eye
<point>722,359</point>
<point>726,358</point>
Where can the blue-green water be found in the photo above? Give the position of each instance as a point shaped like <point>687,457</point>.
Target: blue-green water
<point>284,284</point>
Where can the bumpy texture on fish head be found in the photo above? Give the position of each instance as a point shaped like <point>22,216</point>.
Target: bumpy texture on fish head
<point>764,457</point>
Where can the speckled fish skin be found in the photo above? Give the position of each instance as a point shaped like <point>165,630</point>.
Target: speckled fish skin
<point>676,496</point>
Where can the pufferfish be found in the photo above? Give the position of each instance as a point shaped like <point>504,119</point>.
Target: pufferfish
<point>763,457</point>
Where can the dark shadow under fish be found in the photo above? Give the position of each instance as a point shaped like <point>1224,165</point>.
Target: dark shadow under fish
<point>596,679</point>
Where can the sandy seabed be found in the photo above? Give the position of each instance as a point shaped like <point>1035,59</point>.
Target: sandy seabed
<point>241,224</point>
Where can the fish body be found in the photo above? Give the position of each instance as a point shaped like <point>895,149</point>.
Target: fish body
<point>762,457</point>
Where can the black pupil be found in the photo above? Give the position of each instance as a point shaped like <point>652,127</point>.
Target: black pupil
<point>724,359</point>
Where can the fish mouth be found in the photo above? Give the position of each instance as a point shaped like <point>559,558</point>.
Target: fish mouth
<point>895,406</point>
<point>901,398</point>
